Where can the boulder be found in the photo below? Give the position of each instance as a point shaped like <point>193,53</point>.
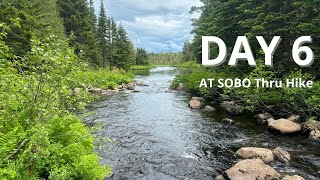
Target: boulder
<point>284,126</point>
<point>251,169</point>
<point>232,107</point>
<point>209,109</point>
<point>198,99</point>
<point>252,153</point>
<point>281,155</point>
<point>295,177</point>
<point>312,125</point>
<point>228,121</point>
<point>294,118</point>
<point>315,134</point>
<point>130,86</point>
<point>139,83</point>
<point>195,104</point>
<point>263,118</point>
<point>95,90</point>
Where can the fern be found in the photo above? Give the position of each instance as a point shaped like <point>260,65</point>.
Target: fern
<point>10,141</point>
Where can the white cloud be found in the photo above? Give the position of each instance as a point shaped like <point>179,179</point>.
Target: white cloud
<point>155,25</point>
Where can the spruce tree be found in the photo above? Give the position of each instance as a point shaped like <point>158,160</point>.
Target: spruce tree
<point>78,22</point>
<point>124,50</point>
<point>103,33</point>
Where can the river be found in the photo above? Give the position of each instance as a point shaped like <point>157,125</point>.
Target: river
<point>154,135</point>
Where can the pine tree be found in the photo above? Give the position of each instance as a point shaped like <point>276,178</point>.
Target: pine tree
<point>78,21</point>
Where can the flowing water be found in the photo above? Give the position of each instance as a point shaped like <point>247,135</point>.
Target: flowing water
<point>154,135</point>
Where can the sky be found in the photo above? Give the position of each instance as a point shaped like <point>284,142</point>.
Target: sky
<point>156,25</point>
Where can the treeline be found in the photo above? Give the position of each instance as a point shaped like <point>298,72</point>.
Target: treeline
<point>100,41</point>
<point>165,58</point>
<point>49,55</point>
<point>233,18</point>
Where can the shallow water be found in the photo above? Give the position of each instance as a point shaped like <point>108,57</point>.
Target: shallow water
<point>154,135</point>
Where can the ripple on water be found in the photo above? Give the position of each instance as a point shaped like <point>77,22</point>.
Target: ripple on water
<point>156,136</point>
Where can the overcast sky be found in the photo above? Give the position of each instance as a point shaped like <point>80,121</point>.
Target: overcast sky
<point>155,25</point>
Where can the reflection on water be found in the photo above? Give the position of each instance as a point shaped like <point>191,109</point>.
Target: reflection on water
<point>156,136</point>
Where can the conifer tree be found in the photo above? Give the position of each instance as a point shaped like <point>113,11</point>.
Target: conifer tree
<point>78,21</point>
<point>103,33</point>
<point>124,50</point>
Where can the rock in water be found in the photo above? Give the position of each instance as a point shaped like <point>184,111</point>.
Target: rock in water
<point>263,118</point>
<point>284,126</point>
<point>228,121</point>
<point>251,169</point>
<point>312,125</point>
<point>281,155</point>
<point>252,152</point>
<point>295,177</point>
<point>294,118</point>
<point>232,107</point>
<point>219,178</point>
<point>315,134</point>
<point>209,109</point>
<point>198,99</point>
<point>194,104</point>
<point>95,90</point>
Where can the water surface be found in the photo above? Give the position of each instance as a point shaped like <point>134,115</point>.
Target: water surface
<point>154,135</point>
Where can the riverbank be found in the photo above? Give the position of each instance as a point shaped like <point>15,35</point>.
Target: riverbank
<point>41,135</point>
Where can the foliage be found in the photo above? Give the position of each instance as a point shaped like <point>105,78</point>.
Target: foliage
<point>40,138</point>
<point>288,19</point>
<point>136,67</point>
<point>110,80</point>
<point>142,57</point>
<point>79,25</point>
<point>163,58</point>
<point>191,79</point>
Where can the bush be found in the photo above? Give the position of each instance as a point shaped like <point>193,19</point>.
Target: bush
<point>39,135</point>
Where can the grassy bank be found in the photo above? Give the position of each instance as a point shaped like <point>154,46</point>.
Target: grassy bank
<point>145,67</point>
<point>40,135</point>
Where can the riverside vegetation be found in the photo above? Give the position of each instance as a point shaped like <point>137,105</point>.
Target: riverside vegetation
<point>230,19</point>
<point>297,109</point>
<point>49,56</point>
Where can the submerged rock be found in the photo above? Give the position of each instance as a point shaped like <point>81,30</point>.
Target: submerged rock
<point>228,121</point>
<point>315,134</point>
<point>295,177</point>
<point>220,178</point>
<point>209,109</point>
<point>284,126</point>
<point>139,83</point>
<point>232,107</point>
<point>263,118</point>
<point>281,155</point>
<point>251,169</point>
<point>264,154</point>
